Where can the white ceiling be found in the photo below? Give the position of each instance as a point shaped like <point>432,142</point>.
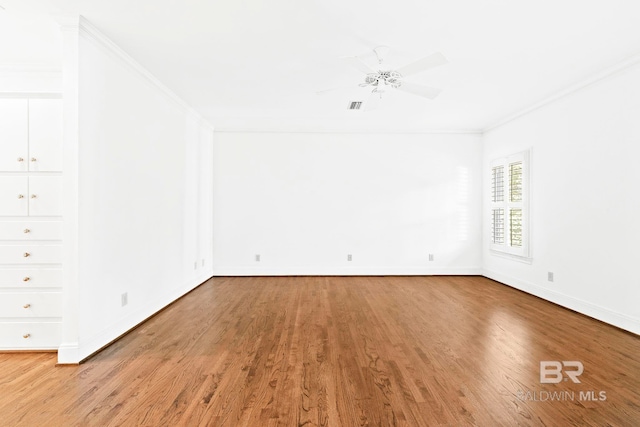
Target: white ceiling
<point>257,64</point>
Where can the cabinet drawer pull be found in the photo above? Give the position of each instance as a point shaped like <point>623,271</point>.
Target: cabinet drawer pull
<point>26,254</point>
<point>33,196</point>
<point>20,196</point>
<point>26,230</point>
<point>25,336</point>
<point>26,279</point>
<point>20,159</point>
<point>33,159</point>
<point>26,306</point>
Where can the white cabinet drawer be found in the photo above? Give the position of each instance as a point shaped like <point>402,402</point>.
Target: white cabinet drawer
<point>31,277</point>
<point>14,195</point>
<point>31,254</point>
<point>30,336</point>
<point>31,304</point>
<point>31,230</point>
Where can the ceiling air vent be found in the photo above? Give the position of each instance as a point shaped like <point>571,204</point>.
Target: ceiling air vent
<point>355,105</point>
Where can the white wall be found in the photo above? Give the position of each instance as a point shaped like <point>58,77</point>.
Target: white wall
<point>144,196</point>
<point>585,204</point>
<point>30,54</point>
<point>303,201</point>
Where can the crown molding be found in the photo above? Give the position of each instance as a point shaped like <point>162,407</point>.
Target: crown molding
<point>219,130</point>
<point>30,79</point>
<point>97,38</point>
<point>29,67</point>
<point>30,95</point>
<point>607,73</point>
<point>68,22</point>
<point>294,125</point>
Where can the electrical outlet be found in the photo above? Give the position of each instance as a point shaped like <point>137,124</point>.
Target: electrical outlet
<point>550,276</point>
<point>430,257</point>
<point>257,257</point>
<point>349,258</point>
<point>124,299</point>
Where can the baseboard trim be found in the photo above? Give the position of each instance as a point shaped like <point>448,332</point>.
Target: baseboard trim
<point>351,271</point>
<point>595,311</point>
<point>68,353</point>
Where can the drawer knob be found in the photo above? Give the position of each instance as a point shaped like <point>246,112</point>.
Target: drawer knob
<point>26,230</point>
<point>26,254</point>
<point>26,279</point>
<point>25,336</point>
<point>33,159</point>
<point>20,196</point>
<point>26,306</point>
<point>33,196</point>
<point>20,159</point>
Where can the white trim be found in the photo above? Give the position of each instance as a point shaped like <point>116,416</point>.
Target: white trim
<point>322,129</point>
<point>629,62</point>
<point>346,271</point>
<point>29,80</point>
<point>30,95</point>
<point>100,40</point>
<point>620,320</point>
<point>30,67</point>
<point>68,353</point>
<point>501,254</point>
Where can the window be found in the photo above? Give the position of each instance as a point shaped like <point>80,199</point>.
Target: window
<point>510,205</point>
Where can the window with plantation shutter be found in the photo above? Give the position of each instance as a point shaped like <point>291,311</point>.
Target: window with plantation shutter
<point>509,202</point>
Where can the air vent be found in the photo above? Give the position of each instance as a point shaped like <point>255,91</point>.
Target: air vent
<point>355,105</point>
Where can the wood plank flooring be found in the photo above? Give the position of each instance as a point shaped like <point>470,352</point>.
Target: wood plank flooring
<point>338,351</point>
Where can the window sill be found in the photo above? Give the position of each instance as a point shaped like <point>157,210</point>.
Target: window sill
<point>519,258</point>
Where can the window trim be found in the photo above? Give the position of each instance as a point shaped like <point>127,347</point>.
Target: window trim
<point>505,248</point>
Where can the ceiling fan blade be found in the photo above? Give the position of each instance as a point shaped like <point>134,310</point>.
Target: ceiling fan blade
<point>373,102</point>
<point>423,64</point>
<point>420,90</point>
<point>358,64</point>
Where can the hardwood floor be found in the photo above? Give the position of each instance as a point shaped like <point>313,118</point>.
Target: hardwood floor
<point>337,351</point>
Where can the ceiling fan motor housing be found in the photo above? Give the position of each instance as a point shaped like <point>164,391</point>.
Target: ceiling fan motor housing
<point>391,78</point>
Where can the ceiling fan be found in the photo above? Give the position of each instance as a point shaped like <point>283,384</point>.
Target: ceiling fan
<point>382,78</point>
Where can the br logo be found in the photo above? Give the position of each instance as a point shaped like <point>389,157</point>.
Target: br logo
<point>551,371</point>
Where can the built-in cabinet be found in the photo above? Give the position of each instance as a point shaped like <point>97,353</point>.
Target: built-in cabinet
<point>30,222</point>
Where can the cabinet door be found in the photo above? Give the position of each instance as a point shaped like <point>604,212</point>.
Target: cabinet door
<point>45,135</point>
<point>45,196</point>
<point>14,195</point>
<point>13,135</point>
